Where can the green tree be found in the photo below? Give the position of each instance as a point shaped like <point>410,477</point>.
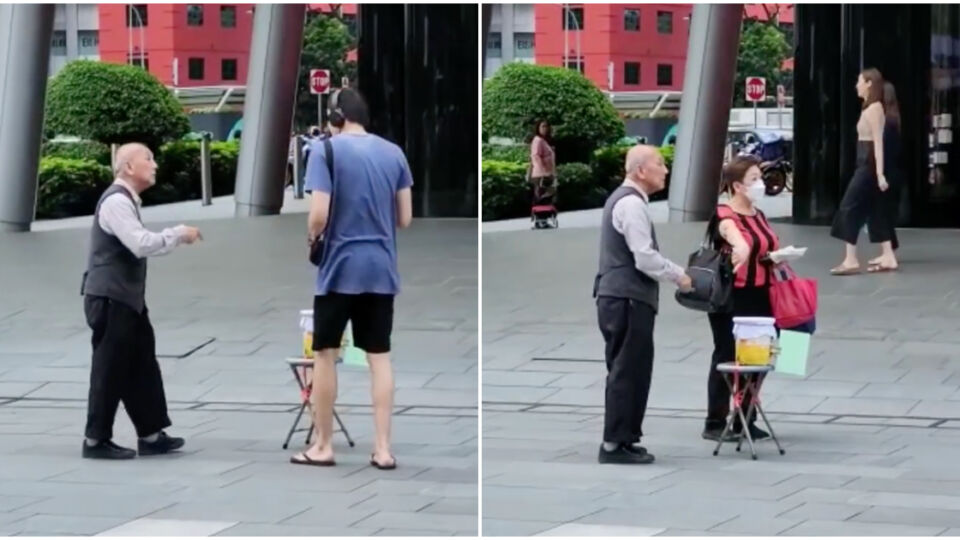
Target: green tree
<point>583,119</point>
<point>326,41</point>
<point>112,103</point>
<point>763,48</point>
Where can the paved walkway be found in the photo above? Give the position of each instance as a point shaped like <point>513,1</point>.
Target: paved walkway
<point>226,315</point>
<point>871,432</point>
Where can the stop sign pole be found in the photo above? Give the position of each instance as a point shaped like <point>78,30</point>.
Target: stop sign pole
<point>756,90</point>
<point>320,86</point>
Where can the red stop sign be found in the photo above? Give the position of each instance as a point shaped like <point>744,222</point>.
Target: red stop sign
<point>756,89</point>
<point>319,81</point>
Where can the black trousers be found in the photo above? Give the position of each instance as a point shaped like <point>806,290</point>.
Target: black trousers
<point>124,369</point>
<point>747,302</point>
<point>857,206</point>
<point>883,220</point>
<point>627,328</point>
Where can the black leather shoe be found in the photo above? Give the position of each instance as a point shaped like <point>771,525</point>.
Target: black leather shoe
<point>635,448</point>
<point>624,456</point>
<point>713,434</point>
<point>107,450</point>
<point>163,445</point>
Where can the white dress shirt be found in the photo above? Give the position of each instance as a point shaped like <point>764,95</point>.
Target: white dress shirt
<point>631,218</point>
<point>120,217</point>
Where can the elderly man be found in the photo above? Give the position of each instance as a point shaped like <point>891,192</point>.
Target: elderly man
<point>124,366</point>
<point>627,293</point>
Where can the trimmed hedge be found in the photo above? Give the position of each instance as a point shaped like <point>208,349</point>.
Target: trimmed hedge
<point>506,193</point>
<point>90,150</point>
<point>112,103</point>
<point>70,187</point>
<point>582,117</point>
<point>519,153</point>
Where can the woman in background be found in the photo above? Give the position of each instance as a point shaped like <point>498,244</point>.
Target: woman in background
<point>883,221</point>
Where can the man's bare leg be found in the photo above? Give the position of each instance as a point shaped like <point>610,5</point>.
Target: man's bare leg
<point>323,395</point>
<point>381,387</point>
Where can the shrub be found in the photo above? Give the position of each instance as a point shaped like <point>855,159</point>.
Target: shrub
<point>70,187</point>
<point>506,192</point>
<point>112,103</point>
<point>578,188</point>
<point>178,173</point>
<point>89,150</point>
<point>517,153</point>
<point>581,116</point>
<point>607,165</point>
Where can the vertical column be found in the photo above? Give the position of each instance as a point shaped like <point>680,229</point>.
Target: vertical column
<point>507,25</point>
<point>71,21</point>
<point>705,114</point>
<point>268,112</point>
<point>486,31</point>
<point>24,58</point>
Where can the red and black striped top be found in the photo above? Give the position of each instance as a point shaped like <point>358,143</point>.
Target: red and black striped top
<point>761,238</point>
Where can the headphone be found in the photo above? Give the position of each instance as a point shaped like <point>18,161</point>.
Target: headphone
<point>334,112</point>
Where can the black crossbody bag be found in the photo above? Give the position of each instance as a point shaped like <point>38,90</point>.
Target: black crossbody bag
<point>711,271</point>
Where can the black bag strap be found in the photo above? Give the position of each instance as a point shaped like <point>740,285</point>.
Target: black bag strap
<point>328,157</point>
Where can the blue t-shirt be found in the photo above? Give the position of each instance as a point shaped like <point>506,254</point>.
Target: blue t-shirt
<point>361,254</point>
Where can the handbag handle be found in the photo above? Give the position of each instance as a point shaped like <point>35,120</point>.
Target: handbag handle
<point>783,272</point>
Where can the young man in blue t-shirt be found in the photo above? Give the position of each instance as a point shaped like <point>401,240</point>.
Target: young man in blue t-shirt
<point>358,211</point>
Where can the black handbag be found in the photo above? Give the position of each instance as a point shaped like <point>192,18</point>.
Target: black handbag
<point>711,271</point>
<point>317,247</point>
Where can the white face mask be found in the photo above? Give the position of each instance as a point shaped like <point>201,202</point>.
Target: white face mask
<point>756,191</point>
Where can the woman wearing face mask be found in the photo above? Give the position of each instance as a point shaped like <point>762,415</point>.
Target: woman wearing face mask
<point>745,232</point>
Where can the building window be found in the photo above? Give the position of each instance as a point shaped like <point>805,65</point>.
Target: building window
<point>523,43</point>
<point>664,75</point>
<point>494,44</point>
<point>195,69</point>
<point>194,15</point>
<point>351,22</point>
<point>58,43</point>
<point>631,20</point>
<point>139,60</point>
<point>228,16</point>
<point>136,15</point>
<point>574,63</point>
<point>228,69</point>
<point>631,73</point>
<point>665,22</point>
<point>89,41</point>
<point>573,19</point>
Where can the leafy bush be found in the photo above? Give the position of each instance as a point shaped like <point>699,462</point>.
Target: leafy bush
<point>667,152</point>
<point>178,172</point>
<point>578,188</point>
<point>506,192</point>
<point>520,94</point>
<point>89,150</point>
<point>608,165</point>
<point>517,153</point>
<point>70,187</point>
<point>112,103</point>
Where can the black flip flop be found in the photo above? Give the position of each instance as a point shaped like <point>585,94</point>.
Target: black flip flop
<point>307,461</point>
<point>382,467</point>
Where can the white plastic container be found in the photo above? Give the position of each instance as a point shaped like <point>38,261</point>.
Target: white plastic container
<point>754,338</point>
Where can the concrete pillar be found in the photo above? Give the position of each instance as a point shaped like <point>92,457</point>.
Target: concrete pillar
<point>268,112</point>
<point>24,59</point>
<point>72,24</point>
<point>485,15</point>
<point>507,54</point>
<point>705,113</point>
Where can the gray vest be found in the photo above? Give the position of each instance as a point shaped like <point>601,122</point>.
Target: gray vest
<point>112,270</point>
<point>618,275</point>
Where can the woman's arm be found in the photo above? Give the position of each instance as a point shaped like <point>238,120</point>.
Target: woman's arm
<point>741,250</point>
<point>535,156</point>
<point>877,120</point>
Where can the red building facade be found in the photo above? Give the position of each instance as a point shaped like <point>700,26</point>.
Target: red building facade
<point>185,45</point>
<point>621,47</point>
<point>627,47</point>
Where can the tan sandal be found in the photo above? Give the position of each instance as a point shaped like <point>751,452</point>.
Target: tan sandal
<point>845,270</point>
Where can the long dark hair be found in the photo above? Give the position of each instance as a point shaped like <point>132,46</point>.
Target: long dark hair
<point>875,94</point>
<point>735,171</point>
<point>536,131</point>
<point>891,107</point>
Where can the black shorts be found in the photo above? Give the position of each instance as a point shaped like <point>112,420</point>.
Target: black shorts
<point>371,315</point>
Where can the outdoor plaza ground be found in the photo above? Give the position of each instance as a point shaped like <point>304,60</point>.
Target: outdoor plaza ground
<point>226,317</point>
<point>871,433</point>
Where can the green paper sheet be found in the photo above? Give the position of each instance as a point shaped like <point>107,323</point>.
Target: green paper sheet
<point>353,356</point>
<point>794,350</point>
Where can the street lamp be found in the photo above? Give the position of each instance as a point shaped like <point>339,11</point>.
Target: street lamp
<point>130,12</point>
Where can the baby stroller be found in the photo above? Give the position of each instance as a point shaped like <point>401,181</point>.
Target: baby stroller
<point>543,213</point>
